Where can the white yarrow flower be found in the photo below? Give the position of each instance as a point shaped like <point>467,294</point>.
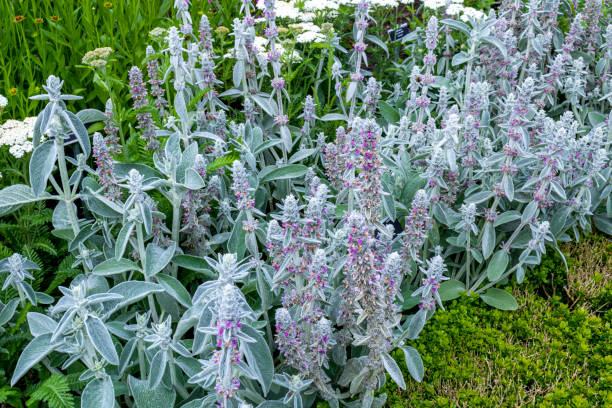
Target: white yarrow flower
<point>17,136</point>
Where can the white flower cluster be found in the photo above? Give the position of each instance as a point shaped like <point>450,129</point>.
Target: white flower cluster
<point>260,43</point>
<point>3,102</point>
<point>376,3</point>
<point>318,5</point>
<point>292,11</point>
<point>157,33</point>
<point>455,8</point>
<point>17,135</point>
<point>97,58</point>
<point>309,32</point>
<point>287,9</point>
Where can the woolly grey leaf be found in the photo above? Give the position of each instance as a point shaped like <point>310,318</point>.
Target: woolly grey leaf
<point>41,166</point>
<point>35,351</point>
<point>148,397</point>
<point>98,393</point>
<point>101,339</point>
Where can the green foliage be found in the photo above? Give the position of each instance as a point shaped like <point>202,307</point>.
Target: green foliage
<point>28,231</point>
<point>546,354</point>
<point>55,391</point>
<point>51,37</point>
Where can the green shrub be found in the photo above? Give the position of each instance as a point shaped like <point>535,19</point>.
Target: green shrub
<point>543,355</point>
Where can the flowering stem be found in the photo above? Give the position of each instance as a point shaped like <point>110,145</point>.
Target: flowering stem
<point>506,246</point>
<point>21,296</point>
<point>467,261</point>
<point>526,58</point>
<point>57,187</point>
<point>143,260</point>
<point>488,285</point>
<point>176,225</point>
<point>141,358</point>
<point>468,73</point>
<point>68,195</point>
<point>181,390</point>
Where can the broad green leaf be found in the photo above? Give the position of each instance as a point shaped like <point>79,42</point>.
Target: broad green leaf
<point>529,212</point>
<point>237,74</point>
<point>113,266</point>
<point>388,112</point>
<point>123,169</point>
<point>488,240</point>
<point>497,265</point>
<point>457,25</point>
<point>13,197</point>
<point>40,126</point>
<point>126,354</point>
<point>265,146</point>
<point>101,339</point>
<point>499,299</point>
<point>356,382</point>
<point>147,397</point>
<point>268,105</point>
<point>497,43</point>
<point>479,197</point>
<point>286,172</point>
<point>506,217</point>
<point>414,362</point>
<point>98,393</point>
<point>374,39</point>
<point>41,165</point>
<point>40,324</point>
<point>193,263</point>
<point>394,371</point>
<point>79,131</point>
<point>557,221</point>
<point>91,116</point>
<point>222,161</point>
<point>7,311</point>
<point>603,223</point>
<point>416,324</point>
<point>157,258</point>
<point>332,117</point>
<point>133,291</point>
<point>86,232</point>
<point>175,289</point>
<point>259,358</point>
<point>158,368</point>
<point>368,399</point>
<point>450,289</point>
<point>301,155</point>
<point>388,201</point>
<point>35,351</point>
<point>460,58</point>
<point>236,242</point>
<point>595,118</point>
<point>123,239</point>
<point>193,180</point>
<point>272,404</point>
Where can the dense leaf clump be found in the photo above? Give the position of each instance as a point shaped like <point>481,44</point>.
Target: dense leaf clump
<point>236,251</point>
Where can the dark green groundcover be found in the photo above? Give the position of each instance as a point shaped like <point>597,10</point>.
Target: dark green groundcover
<point>554,351</point>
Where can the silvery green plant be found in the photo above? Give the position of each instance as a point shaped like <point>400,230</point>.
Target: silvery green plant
<point>499,164</point>
<point>289,263</point>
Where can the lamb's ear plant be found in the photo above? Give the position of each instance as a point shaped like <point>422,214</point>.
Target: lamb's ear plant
<point>263,259</point>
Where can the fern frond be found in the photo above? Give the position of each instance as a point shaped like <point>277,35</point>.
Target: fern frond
<point>44,244</point>
<point>63,273</point>
<point>55,392</point>
<point>10,396</point>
